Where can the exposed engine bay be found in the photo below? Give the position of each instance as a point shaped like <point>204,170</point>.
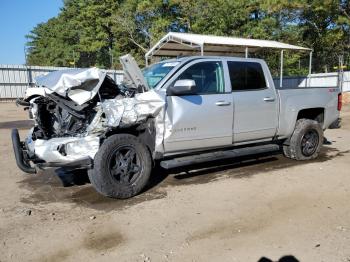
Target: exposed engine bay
<point>57,116</point>
<point>74,109</point>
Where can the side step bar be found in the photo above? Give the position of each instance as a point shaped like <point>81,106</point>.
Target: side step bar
<point>219,155</point>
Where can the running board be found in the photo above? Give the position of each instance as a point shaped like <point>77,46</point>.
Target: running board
<point>218,155</point>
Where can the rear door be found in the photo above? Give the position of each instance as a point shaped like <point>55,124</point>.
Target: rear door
<point>255,102</point>
<point>204,119</point>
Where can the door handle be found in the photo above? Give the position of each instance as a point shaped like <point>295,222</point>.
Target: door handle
<point>269,99</point>
<point>222,103</point>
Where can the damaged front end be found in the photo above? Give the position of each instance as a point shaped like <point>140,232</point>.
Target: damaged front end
<point>75,110</point>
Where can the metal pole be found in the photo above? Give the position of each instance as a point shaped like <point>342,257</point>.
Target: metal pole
<point>30,75</point>
<point>341,73</point>
<point>25,55</point>
<point>110,57</point>
<point>74,58</point>
<point>281,69</point>
<point>27,70</point>
<point>310,63</point>
<point>246,52</point>
<point>202,50</point>
<point>308,79</point>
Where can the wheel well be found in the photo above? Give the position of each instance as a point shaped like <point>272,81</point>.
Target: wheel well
<point>316,114</point>
<point>129,130</point>
<point>144,131</point>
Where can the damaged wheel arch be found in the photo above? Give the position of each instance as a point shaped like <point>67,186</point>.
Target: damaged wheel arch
<point>145,131</point>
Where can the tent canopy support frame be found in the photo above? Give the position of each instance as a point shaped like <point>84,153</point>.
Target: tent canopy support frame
<point>187,44</point>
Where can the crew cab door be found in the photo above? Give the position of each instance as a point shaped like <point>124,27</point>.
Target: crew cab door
<point>204,118</point>
<point>255,101</point>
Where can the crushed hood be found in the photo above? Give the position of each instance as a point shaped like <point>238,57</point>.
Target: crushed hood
<point>80,85</point>
<point>133,77</point>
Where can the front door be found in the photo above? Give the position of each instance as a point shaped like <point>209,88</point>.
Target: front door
<point>204,119</point>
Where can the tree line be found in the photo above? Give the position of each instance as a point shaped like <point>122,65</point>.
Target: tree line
<point>96,32</point>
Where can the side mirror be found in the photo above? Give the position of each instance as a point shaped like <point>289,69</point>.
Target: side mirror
<point>182,87</point>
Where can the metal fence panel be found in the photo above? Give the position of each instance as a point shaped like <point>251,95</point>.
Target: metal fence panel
<point>316,80</point>
<point>15,79</point>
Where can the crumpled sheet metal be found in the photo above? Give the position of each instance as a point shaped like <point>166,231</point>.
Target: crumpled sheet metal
<point>96,126</point>
<point>76,148</point>
<point>127,111</point>
<point>80,85</point>
<point>122,112</point>
<point>161,125</point>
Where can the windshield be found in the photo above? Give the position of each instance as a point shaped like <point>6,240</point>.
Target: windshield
<point>154,73</point>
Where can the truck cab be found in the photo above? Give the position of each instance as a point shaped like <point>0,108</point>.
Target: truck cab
<point>231,101</point>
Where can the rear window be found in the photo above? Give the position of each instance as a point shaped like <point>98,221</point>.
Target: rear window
<point>246,76</point>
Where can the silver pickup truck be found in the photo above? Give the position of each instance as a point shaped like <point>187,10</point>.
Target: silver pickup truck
<point>176,112</point>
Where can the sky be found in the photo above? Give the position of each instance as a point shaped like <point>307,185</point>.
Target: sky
<point>17,19</point>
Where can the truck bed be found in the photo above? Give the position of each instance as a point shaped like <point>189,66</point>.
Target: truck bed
<point>293,100</point>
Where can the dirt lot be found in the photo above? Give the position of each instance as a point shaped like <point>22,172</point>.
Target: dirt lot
<point>237,210</point>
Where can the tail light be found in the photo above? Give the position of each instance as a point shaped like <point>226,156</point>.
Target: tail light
<point>340,101</point>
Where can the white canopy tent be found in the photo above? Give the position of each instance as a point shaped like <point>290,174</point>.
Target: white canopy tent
<point>185,44</point>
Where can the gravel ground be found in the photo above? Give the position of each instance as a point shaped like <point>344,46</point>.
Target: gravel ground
<point>232,210</point>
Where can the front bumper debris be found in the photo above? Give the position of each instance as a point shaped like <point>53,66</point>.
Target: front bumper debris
<point>23,159</point>
<point>84,163</point>
<point>20,153</point>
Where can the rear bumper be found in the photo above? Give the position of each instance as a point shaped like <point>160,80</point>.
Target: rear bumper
<point>21,154</point>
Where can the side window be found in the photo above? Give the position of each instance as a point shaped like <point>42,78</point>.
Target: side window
<point>209,77</point>
<point>246,76</point>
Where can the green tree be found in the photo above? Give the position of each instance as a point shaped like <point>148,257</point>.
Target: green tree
<point>92,32</point>
<point>140,23</point>
<point>51,43</point>
<point>325,27</point>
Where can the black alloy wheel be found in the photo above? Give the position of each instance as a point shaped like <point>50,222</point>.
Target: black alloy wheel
<point>309,142</point>
<point>125,165</point>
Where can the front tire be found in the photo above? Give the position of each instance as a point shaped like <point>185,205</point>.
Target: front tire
<point>122,167</point>
<point>306,140</point>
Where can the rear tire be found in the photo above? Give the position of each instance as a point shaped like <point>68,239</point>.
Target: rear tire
<point>122,167</point>
<point>306,140</point>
